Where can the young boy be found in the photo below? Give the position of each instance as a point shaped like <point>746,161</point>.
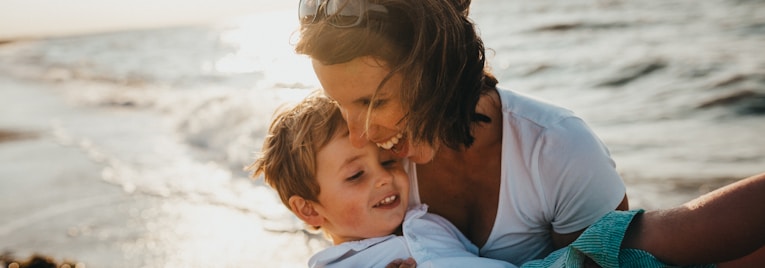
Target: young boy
<point>359,197</point>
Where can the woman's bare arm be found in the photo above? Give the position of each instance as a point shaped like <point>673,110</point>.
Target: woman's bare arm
<point>723,225</point>
<point>562,240</point>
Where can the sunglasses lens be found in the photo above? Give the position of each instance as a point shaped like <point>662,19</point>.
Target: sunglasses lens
<point>345,13</point>
<point>308,10</point>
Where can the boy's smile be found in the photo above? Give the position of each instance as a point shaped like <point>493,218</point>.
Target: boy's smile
<point>388,202</point>
<point>363,193</point>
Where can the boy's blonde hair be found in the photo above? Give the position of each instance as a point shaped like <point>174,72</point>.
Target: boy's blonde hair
<point>288,157</point>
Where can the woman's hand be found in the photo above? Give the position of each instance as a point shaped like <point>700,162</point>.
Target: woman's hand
<point>399,263</point>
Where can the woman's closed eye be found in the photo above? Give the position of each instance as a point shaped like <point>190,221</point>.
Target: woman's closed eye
<point>390,163</point>
<point>378,102</point>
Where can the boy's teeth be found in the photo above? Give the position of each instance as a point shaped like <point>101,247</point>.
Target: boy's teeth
<point>387,200</point>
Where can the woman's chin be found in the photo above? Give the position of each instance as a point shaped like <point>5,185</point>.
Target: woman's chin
<point>401,149</point>
<point>421,154</point>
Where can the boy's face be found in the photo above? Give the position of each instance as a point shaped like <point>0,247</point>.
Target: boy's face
<point>364,192</point>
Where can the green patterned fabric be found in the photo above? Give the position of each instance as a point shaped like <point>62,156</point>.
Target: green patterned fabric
<point>602,243</point>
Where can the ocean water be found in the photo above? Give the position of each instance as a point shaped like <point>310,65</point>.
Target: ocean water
<point>168,118</point>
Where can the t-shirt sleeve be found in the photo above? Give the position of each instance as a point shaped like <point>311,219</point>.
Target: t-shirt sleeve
<point>580,179</point>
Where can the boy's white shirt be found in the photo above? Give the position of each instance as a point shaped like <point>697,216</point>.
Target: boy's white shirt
<point>430,239</point>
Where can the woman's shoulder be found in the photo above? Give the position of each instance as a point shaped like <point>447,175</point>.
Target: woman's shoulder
<point>517,106</point>
<point>528,120</point>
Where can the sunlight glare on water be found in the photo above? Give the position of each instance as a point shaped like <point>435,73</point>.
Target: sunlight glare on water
<point>273,32</point>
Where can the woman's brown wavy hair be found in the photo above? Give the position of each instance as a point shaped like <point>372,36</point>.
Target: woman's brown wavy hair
<point>436,48</point>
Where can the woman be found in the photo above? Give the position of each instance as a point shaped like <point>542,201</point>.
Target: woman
<point>519,177</point>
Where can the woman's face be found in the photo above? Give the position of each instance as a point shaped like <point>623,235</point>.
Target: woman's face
<point>353,85</point>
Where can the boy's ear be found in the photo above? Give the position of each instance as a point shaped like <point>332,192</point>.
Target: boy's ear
<point>304,210</point>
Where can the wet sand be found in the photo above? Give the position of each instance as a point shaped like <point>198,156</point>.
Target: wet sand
<point>61,208</point>
<point>55,202</point>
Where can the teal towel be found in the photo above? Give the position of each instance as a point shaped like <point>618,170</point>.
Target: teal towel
<point>602,243</point>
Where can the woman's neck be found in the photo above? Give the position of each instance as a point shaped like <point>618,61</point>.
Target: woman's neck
<point>463,185</point>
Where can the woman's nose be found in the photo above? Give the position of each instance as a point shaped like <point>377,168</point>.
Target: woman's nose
<point>358,138</point>
<point>356,129</point>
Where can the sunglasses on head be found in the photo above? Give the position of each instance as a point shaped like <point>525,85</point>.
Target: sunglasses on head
<point>339,13</point>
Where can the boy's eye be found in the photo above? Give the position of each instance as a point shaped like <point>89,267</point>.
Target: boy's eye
<point>355,176</point>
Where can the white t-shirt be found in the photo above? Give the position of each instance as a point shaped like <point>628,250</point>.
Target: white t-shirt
<point>556,176</point>
<point>428,238</point>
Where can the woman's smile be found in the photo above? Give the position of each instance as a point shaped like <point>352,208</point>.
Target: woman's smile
<point>391,142</point>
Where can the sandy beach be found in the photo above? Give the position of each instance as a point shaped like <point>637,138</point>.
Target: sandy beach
<point>55,202</point>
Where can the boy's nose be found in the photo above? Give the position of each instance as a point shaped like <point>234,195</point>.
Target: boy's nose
<point>384,179</point>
